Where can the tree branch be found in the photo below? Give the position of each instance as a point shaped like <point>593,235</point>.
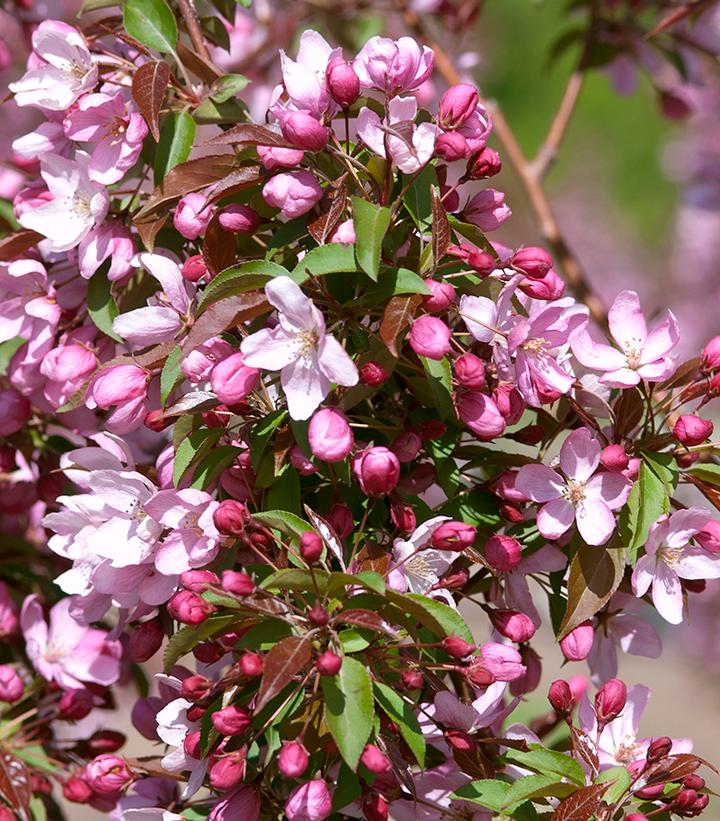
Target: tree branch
<point>192,24</point>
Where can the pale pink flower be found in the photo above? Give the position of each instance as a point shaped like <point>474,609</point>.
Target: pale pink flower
<point>309,359</point>
<point>485,711</point>
<point>109,240</point>
<point>48,138</point>
<point>408,151</point>
<point>641,355</point>
<point>344,233</point>
<point>192,215</point>
<point>29,304</point>
<point>416,566</point>
<point>435,788</point>
<point>310,801</point>
<point>172,727</point>
<point>116,135</point>
<point>669,557</point>
<point>65,651</point>
<point>487,209</point>
<point>304,77</point>
<point>294,193</point>
<point>578,495</point>
<point>77,204</point>
<point>393,65</point>
<point>168,311</point>
<point>198,363</point>
<point>68,366</point>
<point>61,71</point>
<point>126,387</point>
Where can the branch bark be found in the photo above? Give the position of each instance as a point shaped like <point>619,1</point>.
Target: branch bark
<point>192,24</point>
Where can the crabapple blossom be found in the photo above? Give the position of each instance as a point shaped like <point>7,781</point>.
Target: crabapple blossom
<point>111,240</point>
<point>487,210</point>
<point>580,494</point>
<point>331,438</point>
<point>304,79</point>
<point>294,193</point>
<point>307,357</point>
<point>393,66</point>
<point>192,215</point>
<point>173,727</point>
<point>310,801</point>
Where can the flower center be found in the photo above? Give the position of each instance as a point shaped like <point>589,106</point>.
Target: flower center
<point>670,556</point>
<point>307,341</point>
<point>574,492</point>
<point>81,203</point>
<point>116,130</point>
<point>628,751</point>
<point>538,346</point>
<point>633,353</point>
<point>418,566</point>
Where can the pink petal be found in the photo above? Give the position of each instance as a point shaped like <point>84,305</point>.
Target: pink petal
<point>271,350</point>
<point>595,521</point>
<point>620,378</point>
<point>596,355</point>
<point>697,563</point>
<point>305,387</point>
<point>635,636</point>
<point>627,322</point>
<point>611,488</point>
<point>667,594</point>
<point>643,575</point>
<point>286,295</point>
<point>335,363</point>
<point>539,483</point>
<point>555,518</point>
<point>147,326</point>
<point>580,455</point>
<point>167,273</point>
<point>684,524</point>
<point>661,340</point>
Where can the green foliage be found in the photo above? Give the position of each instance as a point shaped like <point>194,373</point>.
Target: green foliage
<point>349,709</point>
<point>152,23</point>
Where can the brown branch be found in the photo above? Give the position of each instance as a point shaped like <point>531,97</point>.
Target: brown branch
<point>542,210</point>
<point>192,24</point>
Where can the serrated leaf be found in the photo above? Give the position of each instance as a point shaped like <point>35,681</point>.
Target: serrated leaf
<point>417,199</point>
<point>349,709</point>
<point>227,86</point>
<point>171,374</point>
<point>581,805</point>
<point>188,637</point>
<point>152,23</point>
<point>194,446</point>
<point>149,84</point>
<point>249,276</point>
<point>284,661</point>
<point>548,762</point>
<point>436,616</point>
<point>100,302</point>
<point>397,315</point>
<point>709,473</point>
<point>621,780</point>
<point>648,501</point>
<point>289,524</point>
<point>371,223</point>
<point>176,141</point>
<point>327,259</point>
<point>403,716</point>
<point>212,465</point>
<point>535,786</point>
<point>489,792</point>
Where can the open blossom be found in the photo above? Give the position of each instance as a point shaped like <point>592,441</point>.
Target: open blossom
<point>409,152</point>
<point>669,557</point>
<point>29,305</point>
<point>77,205</point>
<point>393,65</point>
<point>417,567</point>
<point>61,71</point>
<point>173,725</point>
<point>641,355</point>
<point>435,788</point>
<point>115,135</point>
<point>308,359</point>
<point>65,651</point>
<point>304,78</point>
<point>579,495</point>
<point>110,240</point>
<point>125,387</point>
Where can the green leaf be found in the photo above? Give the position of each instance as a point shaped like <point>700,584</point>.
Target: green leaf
<point>439,374</point>
<point>621,780</point>
<point>471,232</point>
<point>371,223</point>
<point>442,619</point>
<point>176,141</point>
<point>261,432</point>
<point>285,492</point>
<point>349,709</point>
<point>100,301</point>
<point>227,113</point>
<point>347,788</point>
<point>213,464</point>
<point>37,808</point>
<point>327,259</point>
<point>152,23</point>
<point>536,786</point>
<point>239,280</point>
<point>171,374</point>
<point>648,501</point>
<point>289,524</point>
<point>489,792</point>
<point>417,199</point>
<point>194,446</point>
<point>8,349</point>
<point>188,637</point>
<point>548,762</point>
<point>34,756</point>
<point>708,473</point>
<point>265,635</point>
<point>404,718</point>
<point>227,86</point>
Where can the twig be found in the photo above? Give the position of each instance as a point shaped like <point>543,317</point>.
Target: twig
<point>192,23</point>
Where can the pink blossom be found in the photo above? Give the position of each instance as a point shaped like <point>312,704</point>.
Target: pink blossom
<point>272,157</point>
<point>110,240</point>
<point>304,78</point>
<point>487,210</point>
<point>344,233</point>
<point>393,65</point>
<point>331,438</point>
<point>435,787</point>
<point>669,557</point>
<point>308,359</point>
<point>577,495</point>
<point>116,136</point>
<point>173,726</point>
<point>416,566</point>
<point>67,368</point>
<point>65,651</point>
<point>481,414</point>
<point>48,138</point>
<point>408,153</point>
<point>641,355</point>
<point>243,802</point>
<point>310,801</point>
<point>232,380</point>
<point>29,304</point>
<point>192,215</point>
<point>124,386</point>
<point>62,71</point>
<point>293,193</point>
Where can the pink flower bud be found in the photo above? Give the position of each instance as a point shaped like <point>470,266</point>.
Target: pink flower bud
<point>442,296</point>
<point>373,374</point>
<point>548,288</point>
<point>610,700</point>
<point>515,626</point>
<point>9,611</point>
<point>685,800</point>
<point>341,518</point>
<point>692,781</point>
<point>456,105</point>
<point>188,608</point>
<point>191,744</point>
<point>310,801</point>
<point>311,546</point>
<point>659,748</point>
<point>303,130</point>
<point>412,679</point>
<point>709,536</point>
<point>118,384</point>
<point>11,685</point>
<point>457,647</point>
<point>375,807</point>
<point>228,771</point>
<point>75,705</point>
<point>487,210</point>
<point>300,462</point>
<point>509,402</point>
<point>293,759</point>
<point>273,157</point>
<point>194,268</point>
<point>239,219</point>
<point>483,262</point>
<point>469,371</point>
<point>344,233</point>
<point>108,774</point>
<point>343,82</point>
<point>691,430</point>
<point>560,697</point>
<point>375,759</point>
<point>430,337</point>
<point>503,661</point>
<point>478,675</point>
<point>460,740</point>
<point>403,516</point>
<point>451,146</point>
<point>238,583</point>
<point>198,580</point>
<point>406,446</point>
<point>328,663</point>
<point>533,262</point>
<point>231,720</point>
<point>453,536</point>
<point>711,354</point>
<point>251,665</point>
<point>636,816</point>
<point>195,687</point>
<point>232,380</point>
<point>486,163</point>
<point>576,646</point>
<point>614,457</point>
<point>530,680</point>
<point>480,413</point>
<point>14,411</point>
<point>192,215</point>
<point>318,616</point>
<point>330,435</point>
<point>294,193</point>
<point>75,789</point>
<point>231,517</point>
<point>377,471</point>
<point>145,641</point>
<point>418,480</point>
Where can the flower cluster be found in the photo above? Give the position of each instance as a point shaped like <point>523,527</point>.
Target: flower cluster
<point>274,406</point>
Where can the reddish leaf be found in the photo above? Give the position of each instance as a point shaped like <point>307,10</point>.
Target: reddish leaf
<point>199,67</point>
<point>374,557</point>
<point>149,228</point>
<point>365,619</point>
<point>678,14</point>
<point>595,573</point>
<point>218,248</point>
<point>674,767</point>
<point>582,804</point>
<point>15,784</point>
<point>708,491</point>
<point>148,90</point>
<point>17,243</point>
<point>321,228</point>
<point>684,375</point>
<point>223,315</point>
<point>250,134</point>
<point>474,763</point>
<point>440,227</point>
<point>285,660</point>
<point>628,410</point>
<point>585,749</point>
<point>236,181</point>
<point>396,317</point>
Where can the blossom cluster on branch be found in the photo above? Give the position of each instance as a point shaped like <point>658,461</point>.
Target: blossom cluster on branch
<point>278,417</point>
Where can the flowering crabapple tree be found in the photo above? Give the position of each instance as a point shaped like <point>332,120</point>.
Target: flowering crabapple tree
<point>279,421</point>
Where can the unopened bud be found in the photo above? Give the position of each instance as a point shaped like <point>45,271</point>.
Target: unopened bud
<point>189,608</point>
<point>560,697</point>
<point>231,720</point>
<point>503,553</point>
<point>237,582</point>
<point>614,457</point>
<point>456,536</point>
<point>610,700</point>
<point>250,665</point>
<point>195,687</point>
<point>659,748</point>
<point>375,760</point>
<point>293,759</point>
<point>194,268</point>
<point>533,262</point>
<point>343,82</point>
<point>711,354</point>
<point>328,663</point>
<point>692,430</point>
<point>145,641</point>
<point>311,546</point>
<point>517,627</point>
<point>457,105</point>
<point>403,516</point>
<point>75,789</point>
<point>460,740</point>
<point>482,262</point>
<point>412,679</point>
<point>231,517</point>
<point>483,165</point>
<point>198,580</point>
<point>318,616</point>
<point>469,371</point>
<point>457,647</point>
<point>373,374</point>
<point>228,771</point>
<point>576,646</point>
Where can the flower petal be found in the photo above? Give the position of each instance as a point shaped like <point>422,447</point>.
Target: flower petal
<point>627,321</point>
<point>667,594</point>
<point>595,521</point>
<point>539,483</point>
<point>555,518</point>
<point>611,488</point>
<point>580,455</point>
<point>335,363</point>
